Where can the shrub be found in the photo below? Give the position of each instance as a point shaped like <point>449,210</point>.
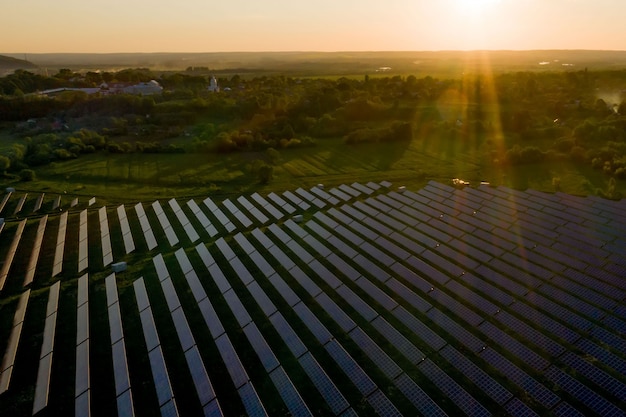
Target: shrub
<point>27,175</point>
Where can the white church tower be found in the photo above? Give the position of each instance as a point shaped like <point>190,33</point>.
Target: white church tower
<point>213,85</point>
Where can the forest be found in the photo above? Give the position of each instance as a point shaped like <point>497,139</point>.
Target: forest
<point>504,120</point>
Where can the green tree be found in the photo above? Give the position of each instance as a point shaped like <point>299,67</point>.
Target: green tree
<point>27,175</point>
<point>5,163</point>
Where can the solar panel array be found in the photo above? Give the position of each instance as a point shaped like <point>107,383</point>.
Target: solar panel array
<point>437,301</point>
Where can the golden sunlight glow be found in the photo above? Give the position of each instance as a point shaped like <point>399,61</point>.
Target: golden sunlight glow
<point>475,7</point>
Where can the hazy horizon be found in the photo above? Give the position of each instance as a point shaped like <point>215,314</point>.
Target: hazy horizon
<point>194,26</point>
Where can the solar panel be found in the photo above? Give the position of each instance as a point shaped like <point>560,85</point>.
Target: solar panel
<point>456,330</point>
<point>311,198</point>
<point>609,359</point>
<point>595,375</point>
<point>403,272</point>
<point>475,374</point>
<point>520,378</point>
<point>518,349</point>
<point>251,401</point>
<point>145,227</point>
<point>303,205</point>
<point>211,318</point>
<point>566,410</point>
<point>343,267</point>
<point>120,367</point>
<point>199,376</point>
<point>382,405</point>
<point>325,274</point>
<point>282,258</point>
<point>419,329</point>
<point>306,282</point>
<point>317,246</point>
<point>377,294</point>
<point>149,329</point>
<point>170,294</point>
<point>472,298</point>
<point>398,341</point>
<point>380,256</point>
<point>534,336</point>
<point>342,247</point>
<point>238,309</point>
<point>456,307</point>
<point>324,195</point>
<point>335,312</point>
<point>231,360</point>
<point>182,329</point>
<point>339,194</point>
<point>82,367</point>
<point>82,323</point>
<point>165,224</point>
<point>260,346</point>
<point>160,376</point>
<point>375,353</point>
<point>486,288</point>
<point>290,395</point>
<point>82,405</point>
<point>364,309</point>
<point>141,295</point>
<point>329,391</point>
<point>355,189</point>
<point>262,264</point>
<point>289,336</point>
<point>285,291</point>
<point>261,298</point>
<point>60,247</point>
<point>404,292</point>
<point>581,392</point>
<point>349,366</point>
<point>452,389</point>
<point>42,385</point>
<point>115,322</point>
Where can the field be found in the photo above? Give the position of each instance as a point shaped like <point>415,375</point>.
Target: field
<point>138,177</point>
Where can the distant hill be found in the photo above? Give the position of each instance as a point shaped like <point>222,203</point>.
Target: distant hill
<point>9,64</point>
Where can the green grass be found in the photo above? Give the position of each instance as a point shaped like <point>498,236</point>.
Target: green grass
<point>117,178</point>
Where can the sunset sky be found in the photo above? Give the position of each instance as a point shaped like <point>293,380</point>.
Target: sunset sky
<point>33,26</point>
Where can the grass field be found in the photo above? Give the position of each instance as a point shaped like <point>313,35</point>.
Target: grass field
<point>140,177</point>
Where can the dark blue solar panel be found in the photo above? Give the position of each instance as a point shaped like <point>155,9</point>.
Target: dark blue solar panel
<point>573,302</point>
<point>536,390</point>
<point>418,397</point>
<point>486,288</point>
<point>501,280</point>
<point>609,338</point>
<point>411,297</point>
<point>552,326</point>
<point>329,391</point>
<point>314,325</point>
<point>456,330</point>
<point>336,313</point>
<point>363,308</point>
<point>452,389</point>
<point>517,408</point>
<point>349,366</point>
<point>456,307</point>
<point>397,340</point>
<point>375,353</point>
<point>429,271</point>
<point>289,336</point>
<point>419,329</point>
<point>411,277</point>
<point>609,359</point>
<point>582,393</point>
<point>597,376</point>
<point>472,298</point>
<point>479,377</point>
<point>289,393</point>
<point>566,410</point>
<point>504,341</point>
<point>532,335</point>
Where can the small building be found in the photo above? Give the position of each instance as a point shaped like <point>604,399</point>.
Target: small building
<point>213,87</point>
